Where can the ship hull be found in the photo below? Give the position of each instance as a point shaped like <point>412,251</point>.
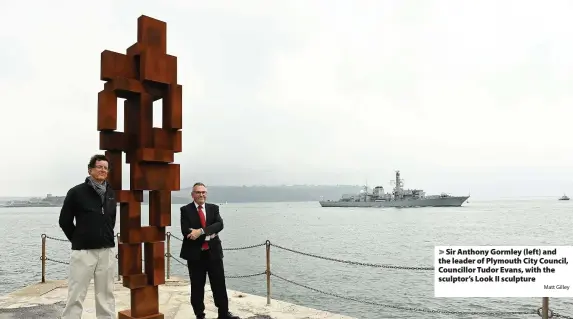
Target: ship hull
<point>454,201</point>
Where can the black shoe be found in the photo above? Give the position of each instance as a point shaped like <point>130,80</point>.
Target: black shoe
<point>200,316</point>
<point>228,315</point>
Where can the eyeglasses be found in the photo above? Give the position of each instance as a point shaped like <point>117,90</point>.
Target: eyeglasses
<point>201,193</point>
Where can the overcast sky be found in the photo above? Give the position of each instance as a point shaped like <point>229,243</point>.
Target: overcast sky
<point>461,96</point>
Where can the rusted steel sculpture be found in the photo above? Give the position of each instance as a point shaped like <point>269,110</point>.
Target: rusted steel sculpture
<point>145,74</point>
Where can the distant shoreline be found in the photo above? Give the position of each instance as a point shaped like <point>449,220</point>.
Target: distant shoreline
<point>283,193</point>
<point>249,194</point>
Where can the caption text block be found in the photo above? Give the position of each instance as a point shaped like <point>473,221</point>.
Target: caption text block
<point>503,271</point>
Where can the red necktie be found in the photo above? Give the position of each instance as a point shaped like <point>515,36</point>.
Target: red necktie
<point>203,224</point>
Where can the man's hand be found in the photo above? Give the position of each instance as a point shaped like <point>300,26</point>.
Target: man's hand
<point>195,233</point>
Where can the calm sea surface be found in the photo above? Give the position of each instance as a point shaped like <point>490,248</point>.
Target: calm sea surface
<point>403,237</point>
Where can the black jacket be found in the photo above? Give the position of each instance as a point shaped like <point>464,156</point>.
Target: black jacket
<point>95,222</point>
<point>191,249</point>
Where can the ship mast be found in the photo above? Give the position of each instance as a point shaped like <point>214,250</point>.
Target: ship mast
<point>399,184</point>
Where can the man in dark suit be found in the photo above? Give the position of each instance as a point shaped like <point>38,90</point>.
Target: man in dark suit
<point>200,224</point>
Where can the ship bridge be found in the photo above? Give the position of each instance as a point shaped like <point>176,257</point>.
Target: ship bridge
<point>378,191</point>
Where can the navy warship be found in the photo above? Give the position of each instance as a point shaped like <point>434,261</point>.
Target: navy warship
<point>399,197</point>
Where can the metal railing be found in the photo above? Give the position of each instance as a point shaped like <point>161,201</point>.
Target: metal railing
<point>544,311</point>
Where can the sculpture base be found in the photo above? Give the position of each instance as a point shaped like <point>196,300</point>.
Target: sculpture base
<point>126,314</point>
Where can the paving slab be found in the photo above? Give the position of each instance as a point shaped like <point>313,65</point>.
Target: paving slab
<point>47,300</point>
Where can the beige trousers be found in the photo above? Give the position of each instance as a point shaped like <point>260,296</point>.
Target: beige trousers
<point>98,264</point>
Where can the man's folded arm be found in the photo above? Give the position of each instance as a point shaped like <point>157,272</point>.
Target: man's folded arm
<point>185,226</point>
<point>216,226</point>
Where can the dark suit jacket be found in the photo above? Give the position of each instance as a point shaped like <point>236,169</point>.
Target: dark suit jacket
<point>191,249</point>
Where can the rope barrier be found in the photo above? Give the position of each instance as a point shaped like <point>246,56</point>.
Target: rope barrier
<point>226,276</point>
<point>58,239</point>
<point>177,260</point>
<point>234,248</point>
<point>481,313</point>
<point>352,262</point>
<point>268,273</point>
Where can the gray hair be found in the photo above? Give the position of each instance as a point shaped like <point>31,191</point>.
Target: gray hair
<point>197,184</point>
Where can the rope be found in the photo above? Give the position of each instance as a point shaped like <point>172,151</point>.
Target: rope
<point>411,309</point>
<point>234,248</point>
<point>353,262</point>
<point>304,254</point>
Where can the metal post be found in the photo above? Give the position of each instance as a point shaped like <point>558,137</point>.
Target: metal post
<point>545,308</point>
<point>268,246</point>
<point>168,255</point>
<point>118,275</point>
<point>43,257</point>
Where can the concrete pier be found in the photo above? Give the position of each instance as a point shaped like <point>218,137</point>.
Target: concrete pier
<point>47,300</point>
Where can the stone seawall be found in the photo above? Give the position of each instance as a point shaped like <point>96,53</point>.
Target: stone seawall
<point>47,300</point>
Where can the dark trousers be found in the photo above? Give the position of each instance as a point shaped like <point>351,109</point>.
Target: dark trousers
<point>198,271</point>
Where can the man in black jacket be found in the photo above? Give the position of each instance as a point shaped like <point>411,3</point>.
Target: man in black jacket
<point>200,224</point>
<point>93,206</point>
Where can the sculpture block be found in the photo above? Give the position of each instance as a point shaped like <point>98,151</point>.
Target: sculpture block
<point>141,76</point>
<point>150,294</point>
<point>173,108</point>
<point>114,177</point>
<point>135,281</point>
<point>154,155</point>
<point>124,88</point>
<point>155,262</point>
<point>124,196</point>
<point>167,140</point>
<point>129,259</point>
<point>152,34</point>
<point>106,111</point>
<point>157,67</point>
<point>152,234</point>
<point>116,65</point>
<point>155,176</point>
<point>130,222</point>
<point>159,208</point>
<point>113,141</point>
<point>126,314</point>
